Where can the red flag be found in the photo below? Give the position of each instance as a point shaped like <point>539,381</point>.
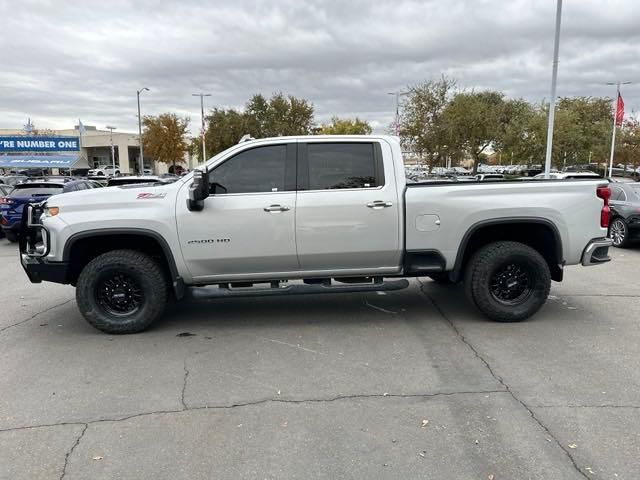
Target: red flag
<point>619,111</point>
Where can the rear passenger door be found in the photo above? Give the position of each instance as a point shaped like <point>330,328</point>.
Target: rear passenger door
<point>347,210</point>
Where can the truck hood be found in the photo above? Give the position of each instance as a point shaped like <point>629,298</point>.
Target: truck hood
<point>114,197</point>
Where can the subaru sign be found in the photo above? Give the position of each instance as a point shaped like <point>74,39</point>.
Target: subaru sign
<point>39,144</point>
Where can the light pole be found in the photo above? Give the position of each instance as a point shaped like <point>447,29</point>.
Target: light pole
<point>113,152</point>
<point>552,103</point>
<point>202,95</point>
<point>613,134</point>
<point>138,92</point>
<point>397,94</point>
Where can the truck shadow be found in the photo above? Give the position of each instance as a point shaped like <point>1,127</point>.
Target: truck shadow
<point>325,309</point>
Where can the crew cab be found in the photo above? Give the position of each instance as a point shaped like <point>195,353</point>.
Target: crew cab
<point>333,212</point>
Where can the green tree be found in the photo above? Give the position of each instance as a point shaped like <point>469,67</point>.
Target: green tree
<point>275,117</point>
<point>278,116</point>
<point>165,137</point>
<point>345,126</point>
<point>523,131</point>
<point>474,122</point>
<point>421,127</point>
<point>225,127</point>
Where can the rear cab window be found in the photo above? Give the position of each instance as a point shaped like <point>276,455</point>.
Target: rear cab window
<point>340,165</point>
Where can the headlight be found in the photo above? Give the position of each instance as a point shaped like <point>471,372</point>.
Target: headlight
<point>51,211</point>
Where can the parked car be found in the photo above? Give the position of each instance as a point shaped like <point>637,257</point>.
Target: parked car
<point>568,175</point>
<point>247,218</point>
<point>4,190</point>
<point>132,179</point>
<point>625,213</point>
<point>12,179</point>
<point>104,171</point>
<point>34,190</point>
<point>483,177</point>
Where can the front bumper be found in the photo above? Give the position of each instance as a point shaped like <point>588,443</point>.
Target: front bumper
<point>596,252</point>
<point>39,270</point>
<point>34,248</point>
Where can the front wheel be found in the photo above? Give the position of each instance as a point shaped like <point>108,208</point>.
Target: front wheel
<point>619,233</point>
<point>508,281</point>
<point>122,291</point>
<point>12,237</point>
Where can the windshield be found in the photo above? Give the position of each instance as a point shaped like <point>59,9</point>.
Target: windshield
<point>31,190</point>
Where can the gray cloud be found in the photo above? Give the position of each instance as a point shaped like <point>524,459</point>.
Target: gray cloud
<point>63,61</point>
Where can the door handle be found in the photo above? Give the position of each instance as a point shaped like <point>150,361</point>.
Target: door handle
<point>379,204</point>
<point>276,208</point>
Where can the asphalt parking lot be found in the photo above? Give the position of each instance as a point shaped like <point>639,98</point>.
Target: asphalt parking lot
<point>410,384</point>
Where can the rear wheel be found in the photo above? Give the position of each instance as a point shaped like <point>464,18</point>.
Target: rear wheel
<point>508,281</point>
<point>12,236</point>
<point>619,233</point>
<point>122,291</point>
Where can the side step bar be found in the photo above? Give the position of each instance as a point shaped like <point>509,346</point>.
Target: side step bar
<point>212,291</point>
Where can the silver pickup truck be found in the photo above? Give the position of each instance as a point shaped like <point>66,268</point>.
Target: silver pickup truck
<point>333,212</point>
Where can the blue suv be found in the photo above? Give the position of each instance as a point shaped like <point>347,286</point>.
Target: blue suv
<point>32,191</point>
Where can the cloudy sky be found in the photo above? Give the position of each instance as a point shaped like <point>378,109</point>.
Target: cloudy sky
<point>85,59</point>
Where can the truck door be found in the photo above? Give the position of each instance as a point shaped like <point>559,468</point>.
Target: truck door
<point>347,210</point>
<point>247,224</point>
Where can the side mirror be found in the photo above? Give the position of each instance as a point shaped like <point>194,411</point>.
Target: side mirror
<point>199,190</point>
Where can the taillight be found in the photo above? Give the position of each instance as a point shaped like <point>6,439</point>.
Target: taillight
<point>604,193</point>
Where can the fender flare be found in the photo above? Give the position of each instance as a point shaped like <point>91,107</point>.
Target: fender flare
<point>457,269</point>
<point>176,279</point>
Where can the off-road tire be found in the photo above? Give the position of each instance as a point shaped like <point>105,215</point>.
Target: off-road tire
<point>138,267</point>
<point>488,262</point>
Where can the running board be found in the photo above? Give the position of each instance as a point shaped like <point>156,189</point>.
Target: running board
<point>212,291</point>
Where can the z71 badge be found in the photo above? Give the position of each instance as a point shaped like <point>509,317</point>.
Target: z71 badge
<point>146,196</point>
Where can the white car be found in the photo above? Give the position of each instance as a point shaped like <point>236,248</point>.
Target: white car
<point>333,211</point>
<point>105,171</point>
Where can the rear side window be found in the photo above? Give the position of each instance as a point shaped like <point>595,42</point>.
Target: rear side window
<point>260,169</point>
<point>617,193</point>
<point>343,165</point>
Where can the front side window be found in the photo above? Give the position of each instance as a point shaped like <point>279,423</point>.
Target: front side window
<point>342,165</point>
<point>260,169</point>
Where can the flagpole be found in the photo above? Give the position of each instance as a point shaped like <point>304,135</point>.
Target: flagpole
<point>613,135</point>
<point>552,103</point>
<point>615,115</point>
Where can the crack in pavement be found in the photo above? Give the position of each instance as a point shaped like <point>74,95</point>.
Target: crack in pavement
<point>499,379</point>
<point>184,383</point>
<point>620,295</point>
<point>586,406</point>
<point>261,402</point>
<point>66,457</point>
<point>35,315</point>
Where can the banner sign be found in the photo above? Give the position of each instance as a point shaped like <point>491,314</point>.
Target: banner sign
<point>39,144</point>
<point>38,161</point>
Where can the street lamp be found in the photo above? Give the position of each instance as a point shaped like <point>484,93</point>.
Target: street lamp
<point>138,92</point>
<point>397,94</point>
<point>552,103</point>
<point>202,95</point>
<point>113,152</point>
<point>613,134</point>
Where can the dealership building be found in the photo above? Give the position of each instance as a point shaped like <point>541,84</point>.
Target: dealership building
<point>92,148</point>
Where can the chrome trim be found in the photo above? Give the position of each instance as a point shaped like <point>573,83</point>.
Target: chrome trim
<point>36,251</point>
<point>587,256</point>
